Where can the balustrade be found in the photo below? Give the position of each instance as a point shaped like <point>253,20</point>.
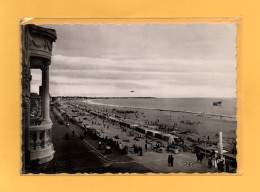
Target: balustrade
<point>40,139</point>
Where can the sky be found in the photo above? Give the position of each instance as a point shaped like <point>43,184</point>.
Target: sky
<point>143,60</point>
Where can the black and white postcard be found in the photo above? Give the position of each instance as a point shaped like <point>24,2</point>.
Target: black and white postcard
<point>129,98</point>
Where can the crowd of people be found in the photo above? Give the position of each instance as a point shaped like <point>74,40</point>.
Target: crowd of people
<point>109,144</point>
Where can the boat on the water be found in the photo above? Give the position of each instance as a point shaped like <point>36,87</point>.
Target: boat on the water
<point>217,103</point>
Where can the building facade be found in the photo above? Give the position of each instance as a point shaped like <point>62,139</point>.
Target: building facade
<point>37,147</point>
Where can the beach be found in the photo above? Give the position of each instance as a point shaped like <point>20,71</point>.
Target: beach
<point>200,125</point>
<point>140,128</point>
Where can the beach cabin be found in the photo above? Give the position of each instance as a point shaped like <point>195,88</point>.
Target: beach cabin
<point>153,127</point>
<point>124,124</point>
<point>90,129</point>
<point>141,130</point>
<point>77,119</point>
<point>87,127</point>
<point>151,133</point>
<point>113,119</point>
<point>133,126</point>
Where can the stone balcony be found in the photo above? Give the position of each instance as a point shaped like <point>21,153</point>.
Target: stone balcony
<point>40,142</point>
<point>37,45</point>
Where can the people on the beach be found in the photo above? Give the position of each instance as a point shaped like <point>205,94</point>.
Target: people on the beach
<point>211,159</point>
<point>227,168</point>
<point>221,164</point>
<point>140,151</point>
<point>199,156</point>
<point>141,140</point>
<point>170,160</point>
<point>99,145</point>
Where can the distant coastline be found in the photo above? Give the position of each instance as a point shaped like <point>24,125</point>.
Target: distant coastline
<point>208,114</point>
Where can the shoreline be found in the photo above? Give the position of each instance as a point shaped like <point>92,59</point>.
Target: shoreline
<point>192,134</point>
<point>198,126</point>
<point>206,114</point>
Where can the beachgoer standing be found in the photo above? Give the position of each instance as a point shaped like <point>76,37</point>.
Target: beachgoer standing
<point>198,155</point>
<point>99,145</point>
<point>227,167</point>
<point>172,159</point>
<point>168,148</point>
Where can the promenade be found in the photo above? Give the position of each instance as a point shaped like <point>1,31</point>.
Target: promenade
<point>150,161</point>
<point>73,155</point>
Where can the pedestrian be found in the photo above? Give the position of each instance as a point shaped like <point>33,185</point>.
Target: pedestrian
<point>73,132</point>
<point>99,145</point>
<point>198,156</point>
<point>67,136</point>
<point>202,156</point>
<point>210,163</point>
<point>145,147</point>
<point>172,159</point>
<point>169,160</point>
<point>227,167</point>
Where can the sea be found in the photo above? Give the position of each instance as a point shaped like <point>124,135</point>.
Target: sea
<point>196,106</point>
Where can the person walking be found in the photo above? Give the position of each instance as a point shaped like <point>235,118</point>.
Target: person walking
<point>169,160</point>
<point>99,145</point>
<point>172,159</point>
<point>73,132</point>
<point>227,167</point>
<point>197,155</point>
<point>145,147</point>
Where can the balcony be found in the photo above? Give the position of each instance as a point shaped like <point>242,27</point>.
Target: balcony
<point>40,142</point>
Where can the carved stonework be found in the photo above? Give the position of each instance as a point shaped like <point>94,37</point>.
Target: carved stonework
<point>36,52</point>
<point>40,41</point>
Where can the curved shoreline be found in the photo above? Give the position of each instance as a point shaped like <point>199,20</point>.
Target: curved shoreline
<point>205,114</point>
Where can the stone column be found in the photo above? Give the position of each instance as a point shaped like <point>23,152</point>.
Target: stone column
<point>45,95</point>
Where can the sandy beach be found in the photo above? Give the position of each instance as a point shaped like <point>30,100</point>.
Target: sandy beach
<point>195,131</point>
<point>200,126</point>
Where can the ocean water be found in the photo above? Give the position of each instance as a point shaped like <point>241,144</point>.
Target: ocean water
<point>190,105</point>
